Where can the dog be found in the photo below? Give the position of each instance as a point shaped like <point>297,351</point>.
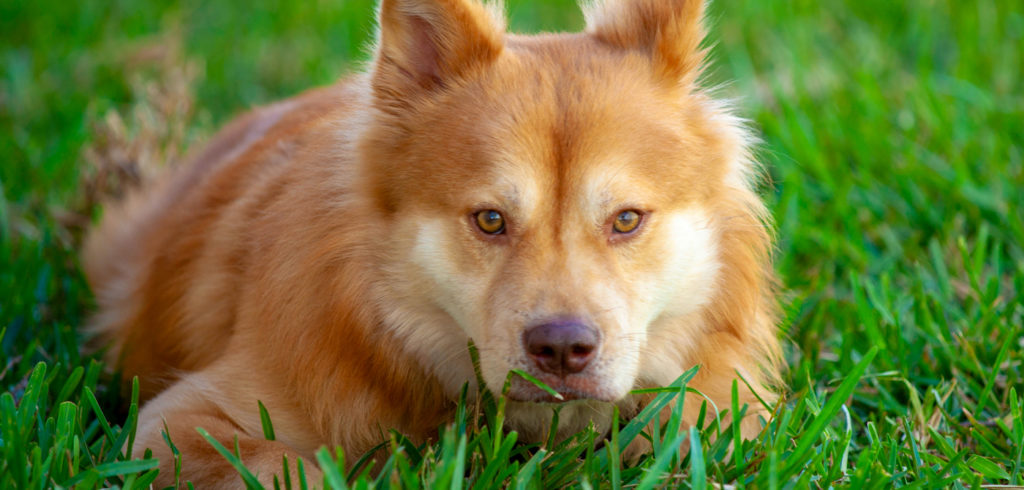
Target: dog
<point>576,205</point>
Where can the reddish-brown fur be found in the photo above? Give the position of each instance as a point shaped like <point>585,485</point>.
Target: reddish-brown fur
<point>268,267</point>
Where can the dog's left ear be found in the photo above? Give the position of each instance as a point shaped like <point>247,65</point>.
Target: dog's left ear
<point>671,31</point>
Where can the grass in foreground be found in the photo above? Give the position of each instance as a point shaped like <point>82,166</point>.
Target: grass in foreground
<point>894,139</point>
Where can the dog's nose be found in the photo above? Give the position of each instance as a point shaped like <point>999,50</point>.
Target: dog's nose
<point>561,348</point>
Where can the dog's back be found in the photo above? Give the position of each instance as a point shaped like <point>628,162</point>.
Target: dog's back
<point>165,264</point>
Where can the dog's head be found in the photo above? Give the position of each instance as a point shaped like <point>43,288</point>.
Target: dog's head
<point>572,203</point>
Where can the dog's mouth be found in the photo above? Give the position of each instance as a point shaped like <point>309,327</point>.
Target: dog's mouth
<point>573,388</point>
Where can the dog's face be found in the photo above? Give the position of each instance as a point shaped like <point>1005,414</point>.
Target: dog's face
<point>556,204</point>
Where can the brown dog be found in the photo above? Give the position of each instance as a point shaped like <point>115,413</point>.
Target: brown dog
<point>575,204</point>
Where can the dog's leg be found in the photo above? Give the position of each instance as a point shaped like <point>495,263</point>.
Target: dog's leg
<point>185,407</point>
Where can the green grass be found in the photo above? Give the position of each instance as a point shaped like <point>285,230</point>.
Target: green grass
<point>894,138</point>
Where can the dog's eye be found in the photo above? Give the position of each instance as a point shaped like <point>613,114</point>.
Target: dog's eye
<point>626,222</point>
<point>490,222</point>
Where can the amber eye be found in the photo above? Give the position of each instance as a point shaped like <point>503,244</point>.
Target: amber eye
<point>490,222</point>
<point>626,222</point>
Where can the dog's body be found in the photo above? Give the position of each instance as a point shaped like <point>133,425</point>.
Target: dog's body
<point>573,204</point>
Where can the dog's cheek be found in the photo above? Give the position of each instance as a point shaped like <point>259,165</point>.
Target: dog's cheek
<point>686,278</point>
<point>450,276</point>
<point>677,292</point>
<point>460,275</point>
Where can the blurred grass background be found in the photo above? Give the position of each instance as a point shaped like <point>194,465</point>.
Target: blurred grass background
<point>893,139</point>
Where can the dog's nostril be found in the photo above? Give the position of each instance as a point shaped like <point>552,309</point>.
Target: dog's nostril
<point>561,348</point>
<point>581,350</point>
<point>545,351</point>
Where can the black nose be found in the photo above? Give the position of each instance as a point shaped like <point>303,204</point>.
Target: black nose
<point>561,348</point>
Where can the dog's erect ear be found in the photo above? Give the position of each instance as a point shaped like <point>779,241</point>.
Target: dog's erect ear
<point>670,30</point>
<point>424,44</point>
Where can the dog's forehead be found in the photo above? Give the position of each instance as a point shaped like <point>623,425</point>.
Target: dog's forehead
<point>557,116</point>
<point>584,123</point>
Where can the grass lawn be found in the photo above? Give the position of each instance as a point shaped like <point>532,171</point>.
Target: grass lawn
<point>894,140</point>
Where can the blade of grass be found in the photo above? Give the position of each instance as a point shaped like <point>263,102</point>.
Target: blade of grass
<point>247,477</point>
<point>813,432</point>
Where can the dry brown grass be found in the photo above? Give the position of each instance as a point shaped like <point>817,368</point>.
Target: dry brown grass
<point>130,146</point>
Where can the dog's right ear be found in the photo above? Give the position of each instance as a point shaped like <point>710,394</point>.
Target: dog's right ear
<point>425,44</point>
